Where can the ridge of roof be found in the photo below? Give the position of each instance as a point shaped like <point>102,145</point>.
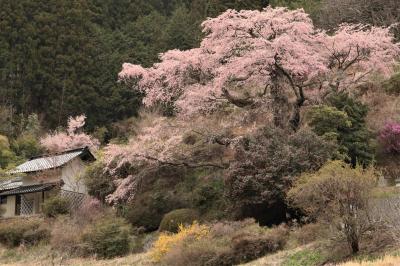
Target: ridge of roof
<point>59,153</point>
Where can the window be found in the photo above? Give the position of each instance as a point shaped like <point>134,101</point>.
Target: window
<point>3,199</point>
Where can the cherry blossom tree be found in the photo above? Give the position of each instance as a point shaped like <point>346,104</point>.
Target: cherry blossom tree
<point>252,63</point>
<point>275,54</point>
<point>73,138</point>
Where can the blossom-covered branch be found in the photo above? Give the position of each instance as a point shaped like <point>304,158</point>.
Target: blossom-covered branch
<point>71,139</point>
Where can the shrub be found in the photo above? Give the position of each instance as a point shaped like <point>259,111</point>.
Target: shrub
<point>90,210</point>
<point>173,219</point>
<point>307,233</point>
<point>55,206</point>
<point>248,247</point>
<point>66,236</point>
<point>326,195</point>
<point>208,198</point>
<point>107,238</point>
<point>149,208</point>
<point>389,137</point>
<point>167,241</point>
<point>98,182</point>
<point>197,253</point>
<point>35,235</point>
<point>16,231</point>
<point>223,243</point>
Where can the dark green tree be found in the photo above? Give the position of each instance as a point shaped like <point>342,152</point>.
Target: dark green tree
<point>343,119</point>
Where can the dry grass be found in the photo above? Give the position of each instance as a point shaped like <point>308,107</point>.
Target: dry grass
<point>44,256</point>
<point>385,261</point>
<point>383,108</point>
<point>277,259</point>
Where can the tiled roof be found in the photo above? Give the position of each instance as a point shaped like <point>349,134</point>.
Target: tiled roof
<point>29,189</point>
<point>10,184</point>
<point>48,162</point>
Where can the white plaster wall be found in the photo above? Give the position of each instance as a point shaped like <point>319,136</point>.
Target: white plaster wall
<point>48,176</point>
<point>72,175</point>
<point>9,207</point>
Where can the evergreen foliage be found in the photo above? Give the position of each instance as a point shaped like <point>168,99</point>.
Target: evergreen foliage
<point>343,120</point>
<point>60,58</point>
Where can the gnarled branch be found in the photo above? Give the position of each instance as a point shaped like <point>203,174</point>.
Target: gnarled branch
<point>240,102</point>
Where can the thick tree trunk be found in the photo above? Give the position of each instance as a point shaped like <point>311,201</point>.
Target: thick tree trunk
<point>355,247</point>
<point>279,106</point>
<point>352,238</point>
<point>296,112</point>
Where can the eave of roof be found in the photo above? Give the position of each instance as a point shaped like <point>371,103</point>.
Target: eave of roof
<point>29,189</point>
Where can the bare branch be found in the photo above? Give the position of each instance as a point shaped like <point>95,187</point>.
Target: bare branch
<point>185,164</point>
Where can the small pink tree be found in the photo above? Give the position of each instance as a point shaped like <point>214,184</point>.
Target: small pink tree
<point>71,139</point>
<point>275,53</point>
<point>390,138</point>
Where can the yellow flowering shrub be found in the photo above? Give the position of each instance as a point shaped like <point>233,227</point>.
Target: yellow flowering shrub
<point>166,241</point>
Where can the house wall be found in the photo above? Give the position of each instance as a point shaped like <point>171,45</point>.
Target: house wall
<point>72,175</point>
<point>9,207</point>
<point>48,176</point>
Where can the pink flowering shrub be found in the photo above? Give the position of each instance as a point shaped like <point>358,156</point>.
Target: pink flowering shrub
<point>90,210</point>
<point>73,138</point>
<point>390,137</point>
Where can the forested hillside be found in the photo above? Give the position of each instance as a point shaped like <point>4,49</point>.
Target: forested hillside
<point>61,58</point>
<point>224,130</point>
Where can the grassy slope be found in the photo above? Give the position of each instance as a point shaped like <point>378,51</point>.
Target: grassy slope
<point>306,255</point>
<point>42,255</point>
<point>385,261</point>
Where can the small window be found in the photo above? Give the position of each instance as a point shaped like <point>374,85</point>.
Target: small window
<point>3,199</point>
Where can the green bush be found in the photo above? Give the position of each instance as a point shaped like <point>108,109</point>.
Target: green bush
<point>173,219</point>
<point>98,182</point>
<point>209,196</point>
<point>26,146</point>
<point>107,238</point>
<point>149,208</point>
<point>55,206</point>
<point>16,231</point>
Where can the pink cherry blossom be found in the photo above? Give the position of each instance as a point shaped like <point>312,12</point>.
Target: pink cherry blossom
<point>59,141</point>
<point>240,51</point>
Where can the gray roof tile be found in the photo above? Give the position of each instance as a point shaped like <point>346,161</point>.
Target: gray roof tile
<point>47,162</point>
